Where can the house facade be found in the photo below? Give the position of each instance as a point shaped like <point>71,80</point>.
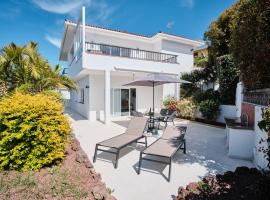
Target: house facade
<point>102,60</point>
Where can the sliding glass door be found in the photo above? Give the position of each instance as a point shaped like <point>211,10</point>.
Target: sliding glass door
<point>124,101</point>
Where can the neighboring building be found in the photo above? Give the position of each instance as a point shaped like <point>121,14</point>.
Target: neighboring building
<point>200,56</point>
<point>101,60</point>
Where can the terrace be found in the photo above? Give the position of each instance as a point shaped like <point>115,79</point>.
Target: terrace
<point>206,154</point>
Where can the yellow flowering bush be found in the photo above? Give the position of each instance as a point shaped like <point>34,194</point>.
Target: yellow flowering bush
<point>33,131</point>
<point>187,108</point>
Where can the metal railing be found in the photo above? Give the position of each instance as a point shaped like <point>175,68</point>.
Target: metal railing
<point>110,50</point>
<point>257,98</point>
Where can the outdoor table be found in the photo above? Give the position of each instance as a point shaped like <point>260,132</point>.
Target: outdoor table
<point>153,118</point>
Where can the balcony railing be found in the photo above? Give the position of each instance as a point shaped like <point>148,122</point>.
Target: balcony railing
<point>103,49</point>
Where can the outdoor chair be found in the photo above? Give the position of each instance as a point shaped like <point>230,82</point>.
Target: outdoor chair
<point>163,149</point>
<point>171,115</point>
<point>163,113</point>
<point>133,133</point>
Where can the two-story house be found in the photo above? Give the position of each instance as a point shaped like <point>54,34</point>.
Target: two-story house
<point>102,60</point>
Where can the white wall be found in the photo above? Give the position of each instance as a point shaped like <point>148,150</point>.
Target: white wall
<point>144,95</point>
<point>81,108</point>
<point>228,111</point>
<point>185,55</point>
<point>96,96</point>
<point>97,88</point>
<point>119,41</point>
<point>259,159</point>
<point>103,62</point>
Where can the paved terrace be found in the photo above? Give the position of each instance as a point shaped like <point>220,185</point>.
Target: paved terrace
<point>206,154</point>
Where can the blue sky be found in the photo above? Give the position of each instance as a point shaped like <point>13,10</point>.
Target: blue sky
<point>43,20</point>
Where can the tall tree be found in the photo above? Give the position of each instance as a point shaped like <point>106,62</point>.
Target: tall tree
<point>219,33</point>
<point>250,43</point>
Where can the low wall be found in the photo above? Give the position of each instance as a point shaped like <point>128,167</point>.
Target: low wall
<point>228,111</point>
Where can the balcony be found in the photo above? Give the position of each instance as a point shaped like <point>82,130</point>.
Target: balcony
<point>109,50</point>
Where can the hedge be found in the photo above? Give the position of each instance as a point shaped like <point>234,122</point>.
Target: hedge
<point>33,132</point>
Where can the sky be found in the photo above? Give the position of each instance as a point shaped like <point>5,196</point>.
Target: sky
<point>42,21</point>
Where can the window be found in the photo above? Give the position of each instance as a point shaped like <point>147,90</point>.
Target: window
<point>81,95</point>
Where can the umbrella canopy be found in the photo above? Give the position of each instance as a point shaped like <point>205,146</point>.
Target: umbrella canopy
<point>155,79</point>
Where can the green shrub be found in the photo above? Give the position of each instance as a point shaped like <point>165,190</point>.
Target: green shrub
<point>264,124</point>
<point>33,131</point>
<point>209,109</point>
<point>208,94</point>
<point>187,108</point>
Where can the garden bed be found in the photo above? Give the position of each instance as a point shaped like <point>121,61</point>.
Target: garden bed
<point>75,178</point>
<point>244,183</point>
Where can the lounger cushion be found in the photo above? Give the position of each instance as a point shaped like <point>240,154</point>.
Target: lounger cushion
<point>136,126</point>
<point>119,140</point>
<point>171,133</point>
<point>163,147</point>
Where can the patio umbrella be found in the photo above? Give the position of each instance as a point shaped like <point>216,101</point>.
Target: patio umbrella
<point>155,79</point>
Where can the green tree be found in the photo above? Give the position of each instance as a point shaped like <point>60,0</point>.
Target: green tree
<point>228,77</point>
<point>250,43</point>
<point>24,68</point>
<point>218,35</point>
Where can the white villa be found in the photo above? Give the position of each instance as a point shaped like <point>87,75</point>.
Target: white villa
<point>101,60</point>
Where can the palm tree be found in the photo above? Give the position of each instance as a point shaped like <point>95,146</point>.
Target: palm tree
<point>23,67</point>
<point>53,79</point>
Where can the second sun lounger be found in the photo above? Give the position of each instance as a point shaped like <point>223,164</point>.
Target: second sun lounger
<point>133,133</point>
<point>165,148</point>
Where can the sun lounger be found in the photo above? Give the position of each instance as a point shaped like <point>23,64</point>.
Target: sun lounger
<point>163,149</point>
<point>133,133</point>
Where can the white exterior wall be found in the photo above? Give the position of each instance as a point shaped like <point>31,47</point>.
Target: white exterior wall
<point>226,111</point>
<point>184,53</point>
<point>119,41</point>
<point>93,107</point>
<point>240,143</point>
<point>239,98</point>
<point>103,62</point>
<point>144,95</point>
<point>97,88</point>
<point>81,108</point>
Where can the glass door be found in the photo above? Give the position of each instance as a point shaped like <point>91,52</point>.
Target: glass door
<point>132,100</point>
<point>116,102</point>
<point>124,101</point>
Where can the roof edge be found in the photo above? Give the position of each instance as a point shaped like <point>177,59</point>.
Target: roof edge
<point>195,42</point>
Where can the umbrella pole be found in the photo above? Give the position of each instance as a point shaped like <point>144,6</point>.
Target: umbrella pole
<point>153,98</point>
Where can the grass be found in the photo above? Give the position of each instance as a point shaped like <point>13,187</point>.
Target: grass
<point>52,183</point>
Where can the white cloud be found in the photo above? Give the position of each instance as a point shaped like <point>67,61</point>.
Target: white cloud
<point>97,11</point>
<point>53,40</point>
<point>170,24</point>
<point>61,6</point>
<point>187,3</point>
